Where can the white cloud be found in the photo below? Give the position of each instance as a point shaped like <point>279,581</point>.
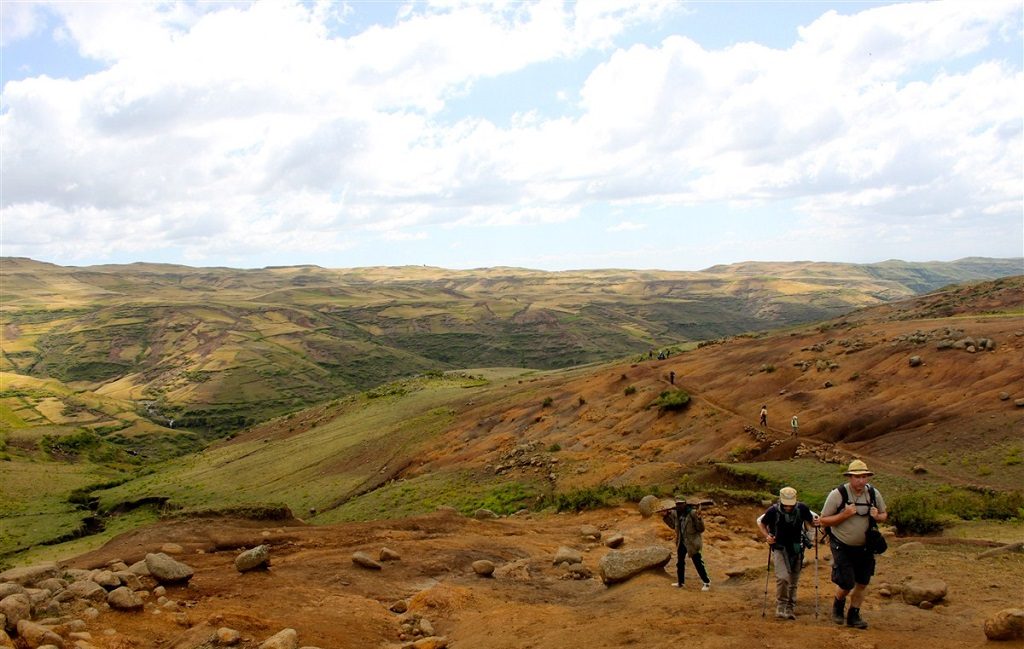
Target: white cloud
<point>626,226</point>
<point>223,130</point>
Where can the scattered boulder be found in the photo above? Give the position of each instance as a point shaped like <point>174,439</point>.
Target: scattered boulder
<point>286,639</point>
<point>615,540</point>
<point>925,590</point>
<point>1004,549</point>
<point>107,579</point>
<point>124,599</point>
<point>915,361</point>
<point>568,555</point>
<point>257,557</point>
<point>228,637</point>
<point>167,570</point>
<point>1007,624</point>
<point>364,560</point>
<point>1004,396</point>
<point>88,590</point>
<point>15,607</point>
<point>387,554</point>
<point>590,532</point>
<point>27,575</point>
<point>483,567</point>
<point>578,571</point>
<point>430,642</point>
<point>484,514</point>
<point>620,565</point>
<point>648,505</point>
<point>37,635</point>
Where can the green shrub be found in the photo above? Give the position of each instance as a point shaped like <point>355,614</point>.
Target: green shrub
<point>547,402</point>
<point>630,390</point>
<point>582,499</point>
<point>671,400</point>
<point>917,513</point>
<point>555,447</point>
<point>582,401</point>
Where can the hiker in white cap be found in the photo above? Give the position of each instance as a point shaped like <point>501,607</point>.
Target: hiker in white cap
<point>849,512</point>
<point>784,525</point>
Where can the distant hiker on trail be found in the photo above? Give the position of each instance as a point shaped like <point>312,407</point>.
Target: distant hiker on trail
<point>764,416</point>
<point>783,524</point>
<point>796,425</point>
<point>672,378</point>
<point>848,513</point>
<point>650,353</point>
<point>686,520</point>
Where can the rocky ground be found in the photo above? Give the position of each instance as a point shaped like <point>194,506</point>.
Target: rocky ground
<point>314,587</point>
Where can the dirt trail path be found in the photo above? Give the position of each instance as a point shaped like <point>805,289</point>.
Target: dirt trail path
<point>314,587</point>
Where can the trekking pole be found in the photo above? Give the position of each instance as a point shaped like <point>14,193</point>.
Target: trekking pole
<point>816,573</point>
<point>767,573</point>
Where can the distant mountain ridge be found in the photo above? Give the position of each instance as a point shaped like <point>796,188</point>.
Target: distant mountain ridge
<point>220,348</point>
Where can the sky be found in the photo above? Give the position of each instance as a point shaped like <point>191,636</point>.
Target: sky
<point>648,134</point>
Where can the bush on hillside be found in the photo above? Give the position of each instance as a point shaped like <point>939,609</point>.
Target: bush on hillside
<point>917,513</point>
<point>674,400</point>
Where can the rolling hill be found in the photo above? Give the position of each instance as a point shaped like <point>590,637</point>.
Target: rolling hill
<point>212,350</point>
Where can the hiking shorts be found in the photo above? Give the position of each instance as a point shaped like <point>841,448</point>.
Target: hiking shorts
<point>851,565</point>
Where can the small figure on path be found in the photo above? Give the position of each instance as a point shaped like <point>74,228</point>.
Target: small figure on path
<point>796,426</point>
<point>764,415</point>
<point>672,378</point>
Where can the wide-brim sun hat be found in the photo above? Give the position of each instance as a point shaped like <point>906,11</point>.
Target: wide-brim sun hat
<point>857,467</point>
<point>787,496</point>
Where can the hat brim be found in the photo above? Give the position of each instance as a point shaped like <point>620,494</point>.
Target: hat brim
<point>859,473</point>
<point>787,501</point>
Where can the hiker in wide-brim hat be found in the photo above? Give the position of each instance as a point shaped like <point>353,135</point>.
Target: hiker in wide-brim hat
<point>849,511</point>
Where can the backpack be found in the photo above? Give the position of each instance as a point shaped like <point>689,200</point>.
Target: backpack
<point>873,538</point>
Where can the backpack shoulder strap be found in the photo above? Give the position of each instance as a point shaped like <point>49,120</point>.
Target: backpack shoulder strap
<point>843,494</point>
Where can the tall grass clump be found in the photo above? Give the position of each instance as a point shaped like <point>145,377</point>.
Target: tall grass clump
<point>671,400</point>
<point>587,498</point>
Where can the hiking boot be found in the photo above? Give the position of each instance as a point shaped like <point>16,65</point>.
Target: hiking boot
<point>790,614</point>
<point>854,619</point>
<point>706,586</point>
<point>677,585</point>
<point>780,612</point>
<point>839,611</point>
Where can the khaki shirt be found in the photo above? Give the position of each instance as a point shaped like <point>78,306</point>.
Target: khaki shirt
<point>853,531</point>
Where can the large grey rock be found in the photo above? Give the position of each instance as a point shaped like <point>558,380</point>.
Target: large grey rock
<point>88,590</point>
<point>37,635</point>
<point>29,575</point>
<point>287,639</point>
<point>568,555</point>
<point>11,588</point>
<point>620,565</point>
<point>364,560</point>
<point>257,557</point>
<point>124,599</point>
<point>1007,624</point>
<point>15,607</point>
<point>925,590</point>
<point>167,570</point>
<point>648,505</point>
